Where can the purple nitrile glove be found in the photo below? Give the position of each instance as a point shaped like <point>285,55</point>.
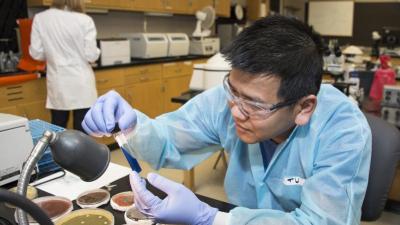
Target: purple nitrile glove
<point>181,206</point>
<point>108,110</point>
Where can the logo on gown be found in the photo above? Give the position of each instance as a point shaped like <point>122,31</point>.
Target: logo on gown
<point>293,181</point>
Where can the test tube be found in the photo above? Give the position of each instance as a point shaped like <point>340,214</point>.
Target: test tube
<point>120,138</point>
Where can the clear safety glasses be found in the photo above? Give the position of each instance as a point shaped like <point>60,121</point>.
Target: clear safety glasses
<point>252,109</point>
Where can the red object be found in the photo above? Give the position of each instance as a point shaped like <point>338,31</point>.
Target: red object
<point>27,63</point>
<point>17,79</point>
<point>383,76</point>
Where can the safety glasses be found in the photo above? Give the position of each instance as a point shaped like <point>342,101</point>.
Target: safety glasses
<point>252,109</point>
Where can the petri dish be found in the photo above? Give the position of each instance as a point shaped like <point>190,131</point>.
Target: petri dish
<point>122,201</point>
<point>134,217</point>
<point>93,198</point>
<point>31,193</point>
<point>54,206</point>
<point>88,217</point>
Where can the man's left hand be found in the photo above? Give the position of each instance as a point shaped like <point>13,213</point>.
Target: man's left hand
<point>181,206</point>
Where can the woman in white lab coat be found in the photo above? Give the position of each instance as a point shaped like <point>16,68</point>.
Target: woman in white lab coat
<point>65,38</point>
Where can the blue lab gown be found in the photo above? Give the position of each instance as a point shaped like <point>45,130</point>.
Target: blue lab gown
<point>318,176</point>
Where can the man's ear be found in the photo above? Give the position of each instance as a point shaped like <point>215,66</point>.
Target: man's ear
<point>304,109</point>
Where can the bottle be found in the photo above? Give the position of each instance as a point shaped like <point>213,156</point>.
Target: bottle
<point>120,138</point>
<point>8,65</point>
<point>2,61</point>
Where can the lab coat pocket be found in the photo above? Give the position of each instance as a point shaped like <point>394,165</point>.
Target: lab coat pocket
<point>287,190</point>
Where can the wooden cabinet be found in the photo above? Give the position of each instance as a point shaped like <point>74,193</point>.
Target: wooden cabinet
<point>146,97</point>
<point>222,7</point>
<point>176,79</point>
<point>109,79</point>
<point>145,5</point>
<point>144,89</point>
<point>173,87</point>
<point>35,3</point>
<point>25,99</point>
<point>255,7</point>
<point>11,110</point>
<point>169,6</point>
<point>194,5</point>
<point>175,6</point>
<point>97,3</point>
<point>35,110</point>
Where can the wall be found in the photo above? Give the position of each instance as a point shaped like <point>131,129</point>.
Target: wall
<point>370,15</point>
<point>112,23</point>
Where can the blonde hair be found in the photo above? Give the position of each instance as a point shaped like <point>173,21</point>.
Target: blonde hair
<point>73,5</point>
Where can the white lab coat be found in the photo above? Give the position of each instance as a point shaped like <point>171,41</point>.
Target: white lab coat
<point>66,40</point>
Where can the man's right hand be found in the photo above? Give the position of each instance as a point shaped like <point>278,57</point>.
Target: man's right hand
<point>108,110</point>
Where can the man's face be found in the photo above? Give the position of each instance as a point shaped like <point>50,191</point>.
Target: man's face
<point>261,89</point>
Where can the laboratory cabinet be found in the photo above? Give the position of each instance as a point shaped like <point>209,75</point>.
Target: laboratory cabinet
<point>25,99</point>
<point>195,5</point>
<point>222,7</point>
<point>176,79</point>
<point>144,89</point>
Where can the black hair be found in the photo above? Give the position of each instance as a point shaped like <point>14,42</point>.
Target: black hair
<point>280,46</point>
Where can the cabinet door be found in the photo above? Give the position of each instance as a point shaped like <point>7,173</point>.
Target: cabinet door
<point>108,79</point>
<point>173,87</point>
<point>99,3</point>
<point>147,97</point>
<point>14,110</point>
<point>223,7</point>
<point>195,5</point>
<point>39,3</point>
<point>146,5</point>
<point>35,110</point>
<point>176,6</point>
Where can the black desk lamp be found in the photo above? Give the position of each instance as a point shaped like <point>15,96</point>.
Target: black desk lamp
<point>73,151</point>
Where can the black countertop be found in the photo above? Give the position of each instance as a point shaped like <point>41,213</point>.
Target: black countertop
<point>121,186</point>
<point>138,62</point>
<point>134,62</point>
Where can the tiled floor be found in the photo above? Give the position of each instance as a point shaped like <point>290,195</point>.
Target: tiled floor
<point>209,182</point>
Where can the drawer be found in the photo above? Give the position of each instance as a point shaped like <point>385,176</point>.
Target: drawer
<point>177,69</point>
<point>20,93</point>
<point>108,79</point>
<point>120,91</point>
<point>142,74</point>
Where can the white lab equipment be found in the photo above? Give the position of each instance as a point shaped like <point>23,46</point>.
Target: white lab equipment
<point>147,45</point>
<point>178,44</point>
<point>114,51</point>
<point>16,144</point>
<point>210,74</point>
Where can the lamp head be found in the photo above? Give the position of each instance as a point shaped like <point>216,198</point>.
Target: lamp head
<point>80,154</point>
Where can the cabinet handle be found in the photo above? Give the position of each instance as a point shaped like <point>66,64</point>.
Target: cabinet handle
<point>14,93</point>
<point>14,87</point>
<point>15,99</point>
<point>102,81</point>
<point>143,78</point>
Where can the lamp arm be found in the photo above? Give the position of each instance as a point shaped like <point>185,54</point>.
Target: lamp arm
<point>27,169</point>
<point>23,203</point>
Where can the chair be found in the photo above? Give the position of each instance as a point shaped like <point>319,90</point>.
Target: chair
<point>384,160</point>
